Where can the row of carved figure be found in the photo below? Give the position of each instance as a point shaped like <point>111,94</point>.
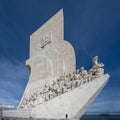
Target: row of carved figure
<point>64,84</point>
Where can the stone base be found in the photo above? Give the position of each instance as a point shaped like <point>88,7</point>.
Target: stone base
<point>21,118</point>
<point>16,113</point>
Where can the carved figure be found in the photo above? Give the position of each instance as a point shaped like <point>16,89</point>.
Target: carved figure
<point>50,94</point>
<point>58,91</point>
<point>96,64</point>
<point>77,76</point>
<point>78,71</point>
<point>40,100</point>
<point>83,72</point>
<point>67,79</point>
<point>97,69</point>
<point>24,104</point>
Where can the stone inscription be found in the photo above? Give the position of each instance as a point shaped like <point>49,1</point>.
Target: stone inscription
<point>46,39</point>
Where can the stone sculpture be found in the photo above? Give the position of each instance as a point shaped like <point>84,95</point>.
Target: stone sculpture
<point>64,84</point>
<point>97,69</point>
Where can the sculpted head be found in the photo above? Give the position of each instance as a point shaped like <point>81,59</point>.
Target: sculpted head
<point>95,58</point>
<point>82,68</point>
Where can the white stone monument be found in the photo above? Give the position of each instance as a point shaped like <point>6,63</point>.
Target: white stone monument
<point>55,89</point>
<point>50,55</point>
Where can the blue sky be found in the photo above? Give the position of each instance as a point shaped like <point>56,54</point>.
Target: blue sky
<point>91,26</point>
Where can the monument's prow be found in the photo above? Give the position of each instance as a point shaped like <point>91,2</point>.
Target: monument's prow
<point>55,89</point>
<point>73,103</point>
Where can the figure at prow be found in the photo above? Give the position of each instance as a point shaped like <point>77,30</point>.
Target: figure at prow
<point>96,64</point>
<point>97,68</point>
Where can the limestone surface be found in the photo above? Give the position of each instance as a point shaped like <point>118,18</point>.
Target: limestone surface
<point>50,56</point>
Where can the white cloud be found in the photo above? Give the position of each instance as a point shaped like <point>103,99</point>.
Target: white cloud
<point>13,79</point>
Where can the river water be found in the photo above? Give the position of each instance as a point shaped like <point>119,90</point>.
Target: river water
<point>100,117</point>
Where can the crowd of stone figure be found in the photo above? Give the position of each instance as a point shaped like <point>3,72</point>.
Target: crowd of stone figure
<point>64,84</point>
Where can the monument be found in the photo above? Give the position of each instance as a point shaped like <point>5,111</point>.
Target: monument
<point>55,89</point>
<point>50,56</point>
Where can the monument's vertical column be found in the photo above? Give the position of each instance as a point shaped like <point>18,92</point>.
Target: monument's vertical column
<point>50,56</point>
